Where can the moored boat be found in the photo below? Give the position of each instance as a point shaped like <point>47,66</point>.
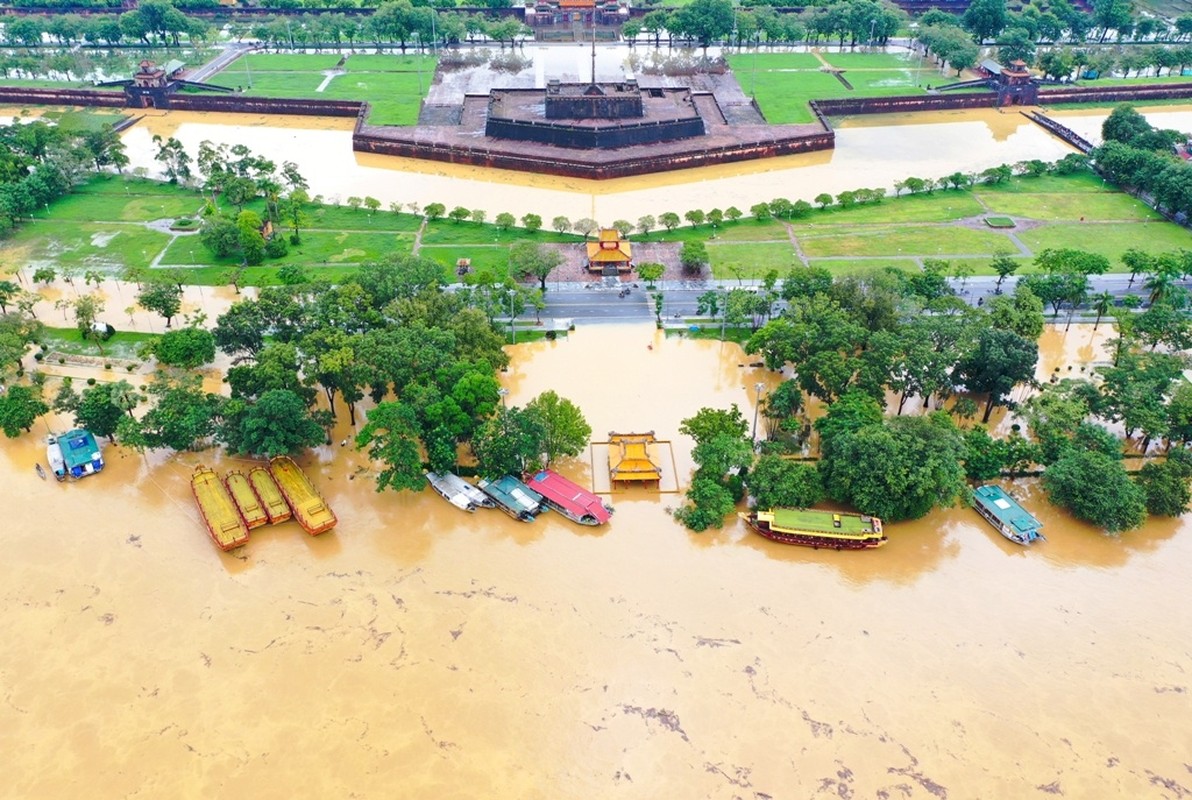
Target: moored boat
<point>54,456</point>
<point>458,492</point>
<point>513,497</point>
<point>270,495</point>
<point>309,507</point>
<point>246,499</point>
<point>81,453</point>
<point>569,498</point>
<point>219,512</point>
<point>1005,514</point>
<point>836,530</point>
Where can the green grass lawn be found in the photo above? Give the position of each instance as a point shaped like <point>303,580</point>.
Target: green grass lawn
<point>343,218</point>
<point>395,96</point>
<point>750,259</point>
<point>1136,81</point>
<point>285,62</point>
<point>446,231</point>
<point>1083,182</point>
<point>274,84</point>
<point>261,276</point>
<point>123,344</point>
<point>883,83</point>
<point>88,245</point>
<point>744,62</point>
<point>918,241</point>
<point>390,62</point>
<point>1109,239</point>
<point>1071,206</point>
<point>900,60</point>
<point>980,266</point>
<point>936,207</point>
<point>783,96</point>
<point>493,259</point>
<point>853,267</point>
<point>115,199</point>
<point>84,119</point>
<point>317,248</point>
<point>751,230</point>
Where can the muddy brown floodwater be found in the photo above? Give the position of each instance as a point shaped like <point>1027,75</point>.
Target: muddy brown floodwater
<point>870,151</point>
<point>420,652</point>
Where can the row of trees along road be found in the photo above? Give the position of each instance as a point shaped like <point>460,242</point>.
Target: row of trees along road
<point>863,345</point>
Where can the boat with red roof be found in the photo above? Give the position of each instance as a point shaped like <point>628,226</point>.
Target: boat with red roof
<point>569,499</point>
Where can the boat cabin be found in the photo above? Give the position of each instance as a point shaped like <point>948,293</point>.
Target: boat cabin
<point>1005,514</point>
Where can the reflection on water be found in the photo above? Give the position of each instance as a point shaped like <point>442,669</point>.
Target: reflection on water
<point>459,655</point>
<point>870,151</point>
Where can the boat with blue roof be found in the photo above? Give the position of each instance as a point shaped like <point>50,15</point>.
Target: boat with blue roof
<point>1005,514</point>
<point>514,497</point>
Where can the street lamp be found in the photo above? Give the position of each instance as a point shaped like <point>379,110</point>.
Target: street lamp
<point>872,26</point>
<point>756,407</point>
<point>504,393</point>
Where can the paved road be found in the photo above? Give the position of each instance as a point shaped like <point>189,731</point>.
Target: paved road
<point>569,301</point>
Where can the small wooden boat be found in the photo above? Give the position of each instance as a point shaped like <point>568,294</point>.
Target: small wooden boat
<point>41,473</point>
<point>309,507</point>
<point>834,530</point>
<point>246,499</point>
<point>55,458</point>
<point>569,499</point>
<point>270,496</point>
<point>1005,514</point>
<point>224,523</point>
<point>513,497</point>
<point>458,492</point>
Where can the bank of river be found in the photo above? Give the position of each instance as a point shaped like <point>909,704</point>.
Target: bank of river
<point>418,651</point>
<point>870,151</point>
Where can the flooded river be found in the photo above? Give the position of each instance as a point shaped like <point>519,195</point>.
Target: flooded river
<point>420,652</point>
<point>870,151</point>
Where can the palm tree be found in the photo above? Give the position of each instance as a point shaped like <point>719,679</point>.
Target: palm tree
<point>125,396</point>
<point>1101,304</point>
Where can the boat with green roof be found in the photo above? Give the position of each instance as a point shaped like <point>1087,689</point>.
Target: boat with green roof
<point>1005,514</point>
<point>808,527</point>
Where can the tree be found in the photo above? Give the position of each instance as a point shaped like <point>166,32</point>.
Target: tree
<point>693,256</point>
<point>1004,266</point>
<point>777,482</point>
<point>669,219</point>
<point>391,435</point>
<point>459,214</point>
<point>1001,360</point>
<point>86,312</point>
<point>532,223</point>
<point>187,348</point>
<point>96,410</point>
<point>1021,313</point>
<point>585,226</point>
<point>162,297</point>
<point>985,19</point>
<point>508,442</point>
<point>277,423</point>
<point>561,224</point>
<point>711,422</point>
<point>1095,487</point>
<point>505,221</point>
<point>182,416</point>
<point>434,211</point>
<point>898,469</point>
<point>695,217</point>
<point>646,223</point>
<point>1165,485</point>
<point>565,432</point>
<point>8,290</point>
<point>708,503</point>
<point>531,259</point>
<point>1102,303</point>
<point>650,272</point>
<point>20,406</point>
<point>705,20</point>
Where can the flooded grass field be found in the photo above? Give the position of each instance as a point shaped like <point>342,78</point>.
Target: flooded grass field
<point>419,651</point>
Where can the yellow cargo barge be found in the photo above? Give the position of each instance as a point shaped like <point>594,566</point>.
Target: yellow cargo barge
<point>224,523</point>
<point>310,509</point>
